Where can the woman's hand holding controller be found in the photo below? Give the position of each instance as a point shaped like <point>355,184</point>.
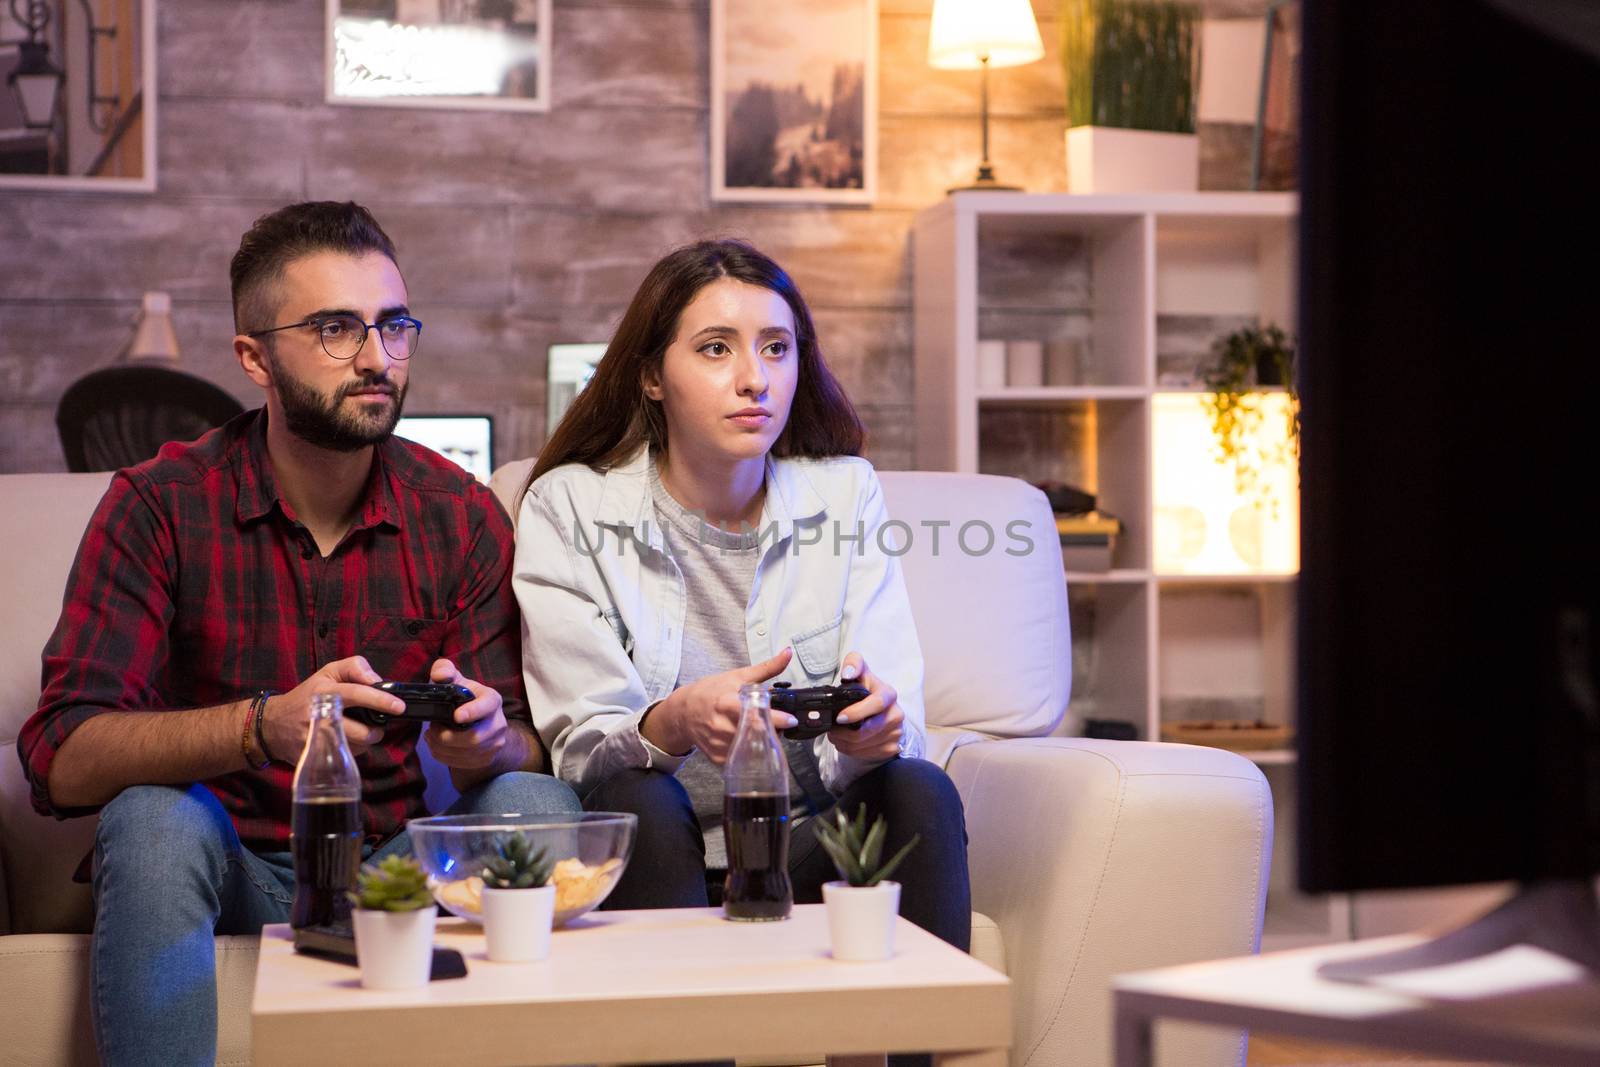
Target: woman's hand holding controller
<point>705,714</point>
<point>879,714</point>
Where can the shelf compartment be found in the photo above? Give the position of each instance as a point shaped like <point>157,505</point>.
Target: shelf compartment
<point>1203,523</point>
<point>1064,279</point>
<point>1226,651</point>
<point>1214,275</point>
<point>1111,632</point>
<point>1100,446</point>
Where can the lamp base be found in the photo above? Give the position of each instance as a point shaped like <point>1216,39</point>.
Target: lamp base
<point>985,181</point>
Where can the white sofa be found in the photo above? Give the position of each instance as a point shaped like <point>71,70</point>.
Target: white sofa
<point>1088,858</point>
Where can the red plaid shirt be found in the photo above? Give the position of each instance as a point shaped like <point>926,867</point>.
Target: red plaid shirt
<point>196,586</point>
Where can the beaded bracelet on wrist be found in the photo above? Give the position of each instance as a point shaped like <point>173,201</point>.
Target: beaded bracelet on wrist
<point>248,735</point>
<point>259,720</point>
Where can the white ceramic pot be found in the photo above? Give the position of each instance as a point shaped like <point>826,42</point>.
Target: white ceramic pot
<point>1103,159</point>
<point>394,948</point>
<point>517,923</point>
<point>861,919</point>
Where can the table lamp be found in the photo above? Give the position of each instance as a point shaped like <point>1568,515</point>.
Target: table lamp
<point>979,34</point>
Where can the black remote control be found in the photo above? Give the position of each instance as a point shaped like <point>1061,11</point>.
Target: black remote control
<point>337,942</point>
<point>425,702</point>
<point>817,707</point>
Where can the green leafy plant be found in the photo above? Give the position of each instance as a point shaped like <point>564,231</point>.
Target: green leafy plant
<point>396,884</point>
<point>1132,64</point>
<point>855,850</point>
<point>516,865</point>
<point>1241,362</point>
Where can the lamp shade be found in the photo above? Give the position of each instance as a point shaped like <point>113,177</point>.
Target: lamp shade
<point>966,32</point>
<point>153,337</point>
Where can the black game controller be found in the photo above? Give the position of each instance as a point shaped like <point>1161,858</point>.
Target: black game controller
<point>817,708</point>
<point>425,702</point>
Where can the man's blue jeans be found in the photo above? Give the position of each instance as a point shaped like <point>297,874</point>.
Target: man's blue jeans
<point>169,873</point>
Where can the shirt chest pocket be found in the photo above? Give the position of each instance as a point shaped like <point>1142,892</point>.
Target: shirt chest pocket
<point>817,649</point>
<point>620,629</point>
<point>401,648</point>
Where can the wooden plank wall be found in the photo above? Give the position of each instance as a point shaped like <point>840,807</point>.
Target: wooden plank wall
<point>514,230</point>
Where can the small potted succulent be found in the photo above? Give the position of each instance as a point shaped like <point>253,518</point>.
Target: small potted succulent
<point>519,901</point>
<point>863,905</point>
<point>393,915</point>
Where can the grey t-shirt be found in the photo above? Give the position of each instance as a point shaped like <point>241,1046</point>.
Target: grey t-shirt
<point>719,573</point>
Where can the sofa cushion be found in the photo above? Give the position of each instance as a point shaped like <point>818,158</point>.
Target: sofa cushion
<point>992,618</point>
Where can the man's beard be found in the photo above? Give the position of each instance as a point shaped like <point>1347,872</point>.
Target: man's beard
<point>325,423</point>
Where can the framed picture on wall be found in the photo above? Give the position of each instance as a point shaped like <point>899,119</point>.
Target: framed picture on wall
<point>482,54</point>
<point>78,96</point>
<point>1275,149</point>
<point>794,101</point>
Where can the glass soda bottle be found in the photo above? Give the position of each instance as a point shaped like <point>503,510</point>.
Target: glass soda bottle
<point>325,832</point>
<point>755,816</point>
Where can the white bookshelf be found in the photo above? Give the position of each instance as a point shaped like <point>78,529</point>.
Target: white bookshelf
<point>983,269</point>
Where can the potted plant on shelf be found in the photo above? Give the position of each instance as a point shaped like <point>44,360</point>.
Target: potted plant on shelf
<point>1243,363</point>
<point>519,901</point>
<point>394,915</point>
<point>1132,72</point>
<point>863,905</point>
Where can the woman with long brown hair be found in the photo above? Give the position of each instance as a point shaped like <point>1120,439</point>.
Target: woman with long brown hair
<point>701,520</point>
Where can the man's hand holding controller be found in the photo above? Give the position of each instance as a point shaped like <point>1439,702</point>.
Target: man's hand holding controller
<point>472,741</point>
<point>285,722</point>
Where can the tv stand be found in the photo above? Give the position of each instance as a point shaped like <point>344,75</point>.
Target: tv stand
<point>1561,917</point>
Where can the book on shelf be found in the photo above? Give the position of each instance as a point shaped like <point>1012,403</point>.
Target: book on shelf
<point>1090,523</point>
<point>1087,541</point>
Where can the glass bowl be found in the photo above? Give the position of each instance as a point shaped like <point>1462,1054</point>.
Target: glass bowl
<point>590,851</point>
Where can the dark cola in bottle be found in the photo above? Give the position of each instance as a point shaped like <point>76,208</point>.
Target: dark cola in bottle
<point>755,816</point>
<point>325,828</point>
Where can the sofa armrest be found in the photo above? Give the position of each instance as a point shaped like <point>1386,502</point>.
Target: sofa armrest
<point>45,1013</point>
<point>1100,857</point>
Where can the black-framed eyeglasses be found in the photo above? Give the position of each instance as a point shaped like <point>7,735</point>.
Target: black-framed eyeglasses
<point>343,335</point>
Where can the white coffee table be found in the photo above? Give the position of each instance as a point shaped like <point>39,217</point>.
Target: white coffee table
<point>637,987</point>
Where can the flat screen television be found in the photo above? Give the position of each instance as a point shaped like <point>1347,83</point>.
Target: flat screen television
<point>1449,635</point>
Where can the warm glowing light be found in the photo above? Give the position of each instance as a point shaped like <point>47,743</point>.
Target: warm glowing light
<point>377,58</point>
<point>1203,523</point>
<point>965,32</point>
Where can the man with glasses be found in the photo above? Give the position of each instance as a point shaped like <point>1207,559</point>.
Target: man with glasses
<point>301,548</point>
